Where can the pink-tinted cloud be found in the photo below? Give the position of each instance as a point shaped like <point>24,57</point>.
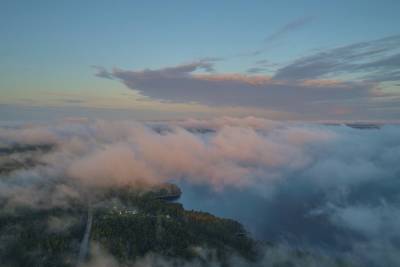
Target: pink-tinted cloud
<point>185,84</point>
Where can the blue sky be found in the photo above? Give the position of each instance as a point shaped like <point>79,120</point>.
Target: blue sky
<point>48,50</point>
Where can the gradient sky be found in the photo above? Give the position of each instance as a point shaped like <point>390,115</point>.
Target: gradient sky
<point>307,60</point>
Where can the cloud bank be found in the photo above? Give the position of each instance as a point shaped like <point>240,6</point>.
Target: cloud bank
<point>182,84</point>
<point>334,82</point>
<point>331,190</point>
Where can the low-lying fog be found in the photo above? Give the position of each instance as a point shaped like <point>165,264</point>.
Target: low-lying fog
<point>334,189</point>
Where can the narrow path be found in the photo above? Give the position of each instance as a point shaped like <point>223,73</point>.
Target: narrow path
<point>84,247</point>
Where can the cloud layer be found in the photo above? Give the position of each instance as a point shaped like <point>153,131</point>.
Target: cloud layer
<point>182,84</point>
<point>334,82</point>
<point>314,187</point>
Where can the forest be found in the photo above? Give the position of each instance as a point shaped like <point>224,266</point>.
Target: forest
<point>128,223</point>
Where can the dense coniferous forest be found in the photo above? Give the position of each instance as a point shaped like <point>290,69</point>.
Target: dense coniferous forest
<point>128,223</point>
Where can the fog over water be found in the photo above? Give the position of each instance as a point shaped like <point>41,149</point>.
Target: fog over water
<point>331,189</point>
<point>347,198</point>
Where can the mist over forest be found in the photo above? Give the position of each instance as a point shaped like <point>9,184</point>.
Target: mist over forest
<point>328,192</point>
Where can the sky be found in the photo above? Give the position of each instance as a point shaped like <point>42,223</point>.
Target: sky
<point>153,60</point>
